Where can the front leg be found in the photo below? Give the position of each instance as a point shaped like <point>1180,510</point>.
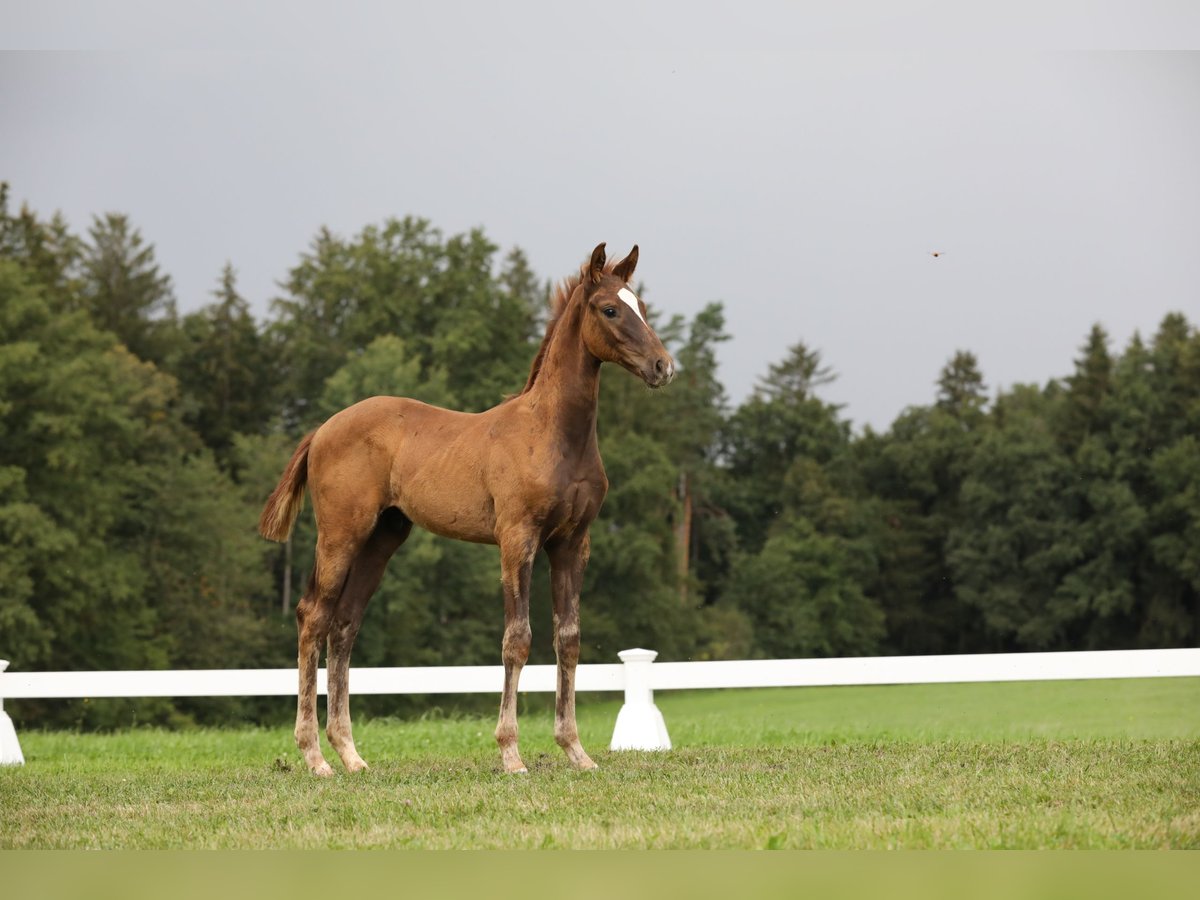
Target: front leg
<point>567,562</point>
<point>516,564</point>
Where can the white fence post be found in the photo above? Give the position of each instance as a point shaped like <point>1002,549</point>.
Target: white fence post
<point>640,725</point>
<point>10,747</point>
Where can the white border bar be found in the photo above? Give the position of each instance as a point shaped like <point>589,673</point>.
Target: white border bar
<point>282,682</point>
<point>662,676</point>
<point>927,669</point>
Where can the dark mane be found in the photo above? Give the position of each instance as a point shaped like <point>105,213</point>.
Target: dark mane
<point>558,303</point>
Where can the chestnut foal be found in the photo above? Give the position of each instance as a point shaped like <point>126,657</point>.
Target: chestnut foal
<point>524,475</point>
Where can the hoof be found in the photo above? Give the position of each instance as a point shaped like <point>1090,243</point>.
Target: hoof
<point>579,758</point>
<point>511,760</point>
<point>324,770</point>
<point>356,765</point>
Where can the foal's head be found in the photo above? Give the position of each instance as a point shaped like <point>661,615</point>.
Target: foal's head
<point>615,328</point>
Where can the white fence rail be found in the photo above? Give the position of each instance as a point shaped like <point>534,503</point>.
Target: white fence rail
<point>639,724</point>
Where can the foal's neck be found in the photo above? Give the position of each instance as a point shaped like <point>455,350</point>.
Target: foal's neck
<point>568,386</point>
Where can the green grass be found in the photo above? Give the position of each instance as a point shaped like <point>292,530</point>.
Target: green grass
<point>1064,764</point>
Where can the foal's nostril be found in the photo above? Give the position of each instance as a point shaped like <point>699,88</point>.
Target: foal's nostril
<point>664,368</point>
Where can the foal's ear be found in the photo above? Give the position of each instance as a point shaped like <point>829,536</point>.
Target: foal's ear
<point>596,266</point>
<point>624,269</point>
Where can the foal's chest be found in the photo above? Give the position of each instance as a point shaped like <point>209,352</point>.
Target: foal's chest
<point>572,495</point>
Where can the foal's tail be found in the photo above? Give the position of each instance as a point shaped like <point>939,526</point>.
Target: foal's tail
<point>283,506</point>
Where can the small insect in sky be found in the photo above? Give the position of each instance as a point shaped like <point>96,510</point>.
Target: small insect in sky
<point>935,253</point>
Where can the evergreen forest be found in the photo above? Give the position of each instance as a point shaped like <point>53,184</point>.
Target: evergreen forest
<point>138,443</point>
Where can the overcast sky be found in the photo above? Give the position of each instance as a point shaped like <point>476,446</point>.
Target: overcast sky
<point>804,190</point>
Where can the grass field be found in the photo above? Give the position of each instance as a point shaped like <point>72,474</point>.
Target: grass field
<point>1097,764</point>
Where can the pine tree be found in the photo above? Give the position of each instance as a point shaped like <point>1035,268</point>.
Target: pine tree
<point>961,391</point>
<point>1015,537</point>
<point>1096,597</point>
<point>124,290</point>
<point>47,251</point>
<point>225,372</point>
<point>916,473</point>
<point>1169,482</point>
<point>1086,408</point>
<point>781,421</point>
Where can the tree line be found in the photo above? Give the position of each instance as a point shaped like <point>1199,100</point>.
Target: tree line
<point>138,443</point>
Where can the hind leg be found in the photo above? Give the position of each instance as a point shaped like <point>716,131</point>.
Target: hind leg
<point>517,549</point>
<point>336,550</point>
<point>365,574</point>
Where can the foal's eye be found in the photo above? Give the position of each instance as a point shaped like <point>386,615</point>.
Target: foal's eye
<point>610,311</point>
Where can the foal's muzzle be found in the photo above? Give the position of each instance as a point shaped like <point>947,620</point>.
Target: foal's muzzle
<point>660,372</point>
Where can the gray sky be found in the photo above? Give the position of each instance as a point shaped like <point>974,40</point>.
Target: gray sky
<point>803,189</point>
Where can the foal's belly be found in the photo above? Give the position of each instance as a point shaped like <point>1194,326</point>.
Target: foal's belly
<point>447,503</point>
<point>444,496</point>
<point>462,523</point>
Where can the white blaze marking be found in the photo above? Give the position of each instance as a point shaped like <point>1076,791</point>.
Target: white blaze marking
<point>631,301</point>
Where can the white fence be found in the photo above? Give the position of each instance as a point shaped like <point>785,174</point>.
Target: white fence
<point>639,724</point>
